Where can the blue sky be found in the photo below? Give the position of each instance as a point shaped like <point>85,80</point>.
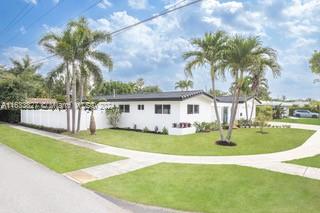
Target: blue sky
<point>153,50</point>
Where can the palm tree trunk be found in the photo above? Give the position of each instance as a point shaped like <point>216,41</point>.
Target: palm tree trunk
<point>234,109</point>
<point>80,103</point>
<point>74,97</point>
<point>246,106</point>
<point>216,109</point>
<point>67,83</point>
<point>252,107</point>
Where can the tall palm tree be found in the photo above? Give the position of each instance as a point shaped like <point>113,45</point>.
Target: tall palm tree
<point>184,85</point>
<point>210,51</point>
<point>87,55</point>
<point>257,74</point>
<point>60,45</point>
<point>239,59</point>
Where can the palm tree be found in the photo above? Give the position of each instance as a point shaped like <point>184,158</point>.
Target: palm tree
<point>184,85</point>
<point>239,59</point>
<point>60,45</point>
<point>210,51</point>
<point>87,55</point>
<point>257,75</point>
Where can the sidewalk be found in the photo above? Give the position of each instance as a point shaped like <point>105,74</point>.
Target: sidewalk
<point>270,161</point>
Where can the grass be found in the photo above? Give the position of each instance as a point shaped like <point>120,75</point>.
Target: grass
<point>213,188</point>
<point>56,155</point>
<point>313,121</point>
<point>310,161</point>
<point>248,141</point>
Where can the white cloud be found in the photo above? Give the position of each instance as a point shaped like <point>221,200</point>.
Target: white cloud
<point>31,1</point>
<point>213,21</point>
<point>22,30</point>
<point>211,6</point>
<point>138,4</point>
<point>304,8</point>
<point>104,4</point>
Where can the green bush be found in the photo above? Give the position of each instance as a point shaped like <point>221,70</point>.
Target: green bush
<point>165,131</point>
<point>206,126</point>
<point>48,129</point>
<point>264,115</point>
<point>10,116</point>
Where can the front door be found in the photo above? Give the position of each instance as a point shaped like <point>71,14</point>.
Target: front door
<point>225,115</point>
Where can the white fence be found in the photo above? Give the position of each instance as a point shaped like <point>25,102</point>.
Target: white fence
<point>58,119</point>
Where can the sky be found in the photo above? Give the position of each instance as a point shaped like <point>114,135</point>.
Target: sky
<point>153,50</point>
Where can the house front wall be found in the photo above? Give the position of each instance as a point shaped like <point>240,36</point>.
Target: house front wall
<point>241,112</point>
<point>147,117</point>
<point>206,113</point>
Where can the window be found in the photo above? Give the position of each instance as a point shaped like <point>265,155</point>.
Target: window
<point>158,109</point>
<point>162,109</point>
<point>166,109</point>
<point>196,109</point>
<point>140,107</point>
<point>124,108</point>
<point>192,109</point>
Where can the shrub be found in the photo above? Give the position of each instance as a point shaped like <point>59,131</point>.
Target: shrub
<point>264,115</point>
<point>244,123</point>
<point>48,129</point>
<point>146,129</point>
<point>165,131</point>
<point>205,126</point>
<point>114,115</point>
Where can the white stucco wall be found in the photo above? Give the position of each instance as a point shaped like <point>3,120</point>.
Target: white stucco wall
<point>140,118</point>
<point>58,119</point>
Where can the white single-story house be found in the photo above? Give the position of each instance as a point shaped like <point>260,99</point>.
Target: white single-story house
<point>173,110</point>
<point>177,111</point>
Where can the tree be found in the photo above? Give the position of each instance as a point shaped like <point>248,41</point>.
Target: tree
<point>151,89</point>
<point>210,51</point>
<point>239,58</point>
<point>315,64</point>
<point>88,40</point>
<point>264,114</point>
<point>259,82</point>
<point>184,85</point>
<point>113,115</point>
<point>62,46</point>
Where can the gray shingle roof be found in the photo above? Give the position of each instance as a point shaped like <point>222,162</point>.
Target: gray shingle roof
<point>160,96</point>
<point>228,99</point>
<point>164,96</point>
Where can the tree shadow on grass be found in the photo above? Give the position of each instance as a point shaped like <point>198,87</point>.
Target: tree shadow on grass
<point>262,132</point>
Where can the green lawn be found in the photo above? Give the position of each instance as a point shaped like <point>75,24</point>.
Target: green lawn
<point>313,121</point>
<point>213,188</point>
<point>311,161</point>
<point>56,155</point>
<point>248,141</point>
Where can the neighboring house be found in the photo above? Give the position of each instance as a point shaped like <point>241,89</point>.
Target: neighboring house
<point>284,105</point>
<point>176,111</point>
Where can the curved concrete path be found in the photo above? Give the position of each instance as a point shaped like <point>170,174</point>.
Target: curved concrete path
<point>271,161</point>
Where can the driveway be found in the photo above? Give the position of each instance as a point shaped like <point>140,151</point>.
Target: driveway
<point>26,186</point>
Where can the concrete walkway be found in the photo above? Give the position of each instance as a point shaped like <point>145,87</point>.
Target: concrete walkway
<point>270,161</point>
<point>107,170</point>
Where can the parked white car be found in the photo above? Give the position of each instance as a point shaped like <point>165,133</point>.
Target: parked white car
<point>301,113</point>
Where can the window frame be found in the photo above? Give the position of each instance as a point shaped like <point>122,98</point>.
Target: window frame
<point>193,109</point>
<point>140,107</point>
<point>124,108</point>
<point>162,109</point>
